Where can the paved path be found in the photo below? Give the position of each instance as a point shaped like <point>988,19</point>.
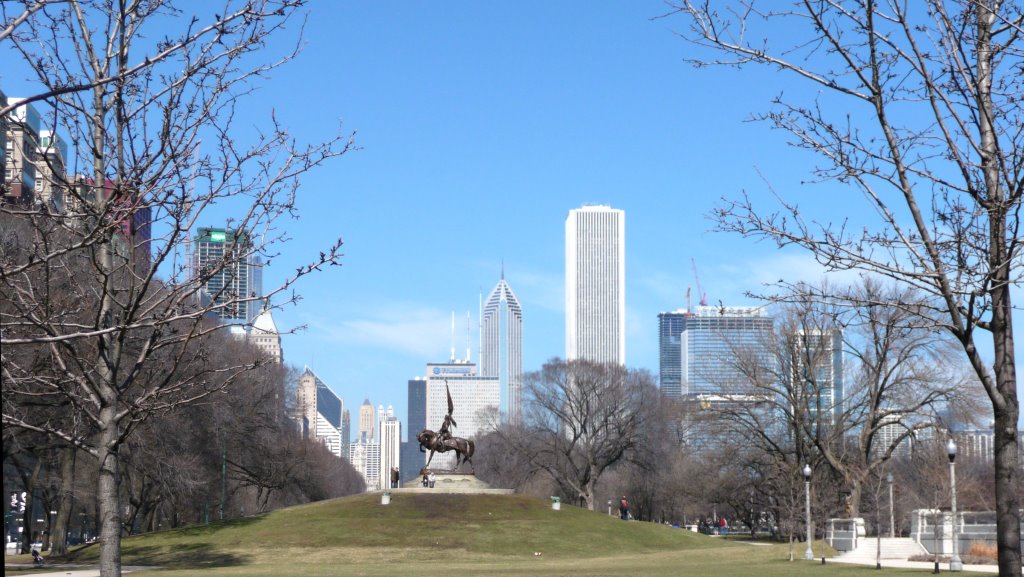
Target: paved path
<point>929,565</point>
<point>58,570</point>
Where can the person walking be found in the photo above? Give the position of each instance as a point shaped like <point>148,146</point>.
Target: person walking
<point>624,509</point>
<point>431,479</point>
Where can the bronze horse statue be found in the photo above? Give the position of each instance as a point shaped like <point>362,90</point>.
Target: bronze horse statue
<point>436,442</point>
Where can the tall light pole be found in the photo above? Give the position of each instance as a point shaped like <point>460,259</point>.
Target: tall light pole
<point>892,507</point>
<point>954,563</point>
<point>809,554</point>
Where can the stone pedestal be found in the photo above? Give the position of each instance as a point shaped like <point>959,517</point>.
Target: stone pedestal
<point>452,483</point>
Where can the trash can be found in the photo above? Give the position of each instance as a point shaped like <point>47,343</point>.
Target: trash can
<point>556,503</point>
<point>385,498</point>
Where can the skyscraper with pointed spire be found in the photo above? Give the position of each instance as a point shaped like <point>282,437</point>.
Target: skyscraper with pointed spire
<point>501,344</point>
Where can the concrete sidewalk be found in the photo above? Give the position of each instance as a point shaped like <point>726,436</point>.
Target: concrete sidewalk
<point>59,570</point>
<point>926,565</point>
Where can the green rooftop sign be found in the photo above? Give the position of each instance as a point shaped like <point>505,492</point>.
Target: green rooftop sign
<point>217,236</point>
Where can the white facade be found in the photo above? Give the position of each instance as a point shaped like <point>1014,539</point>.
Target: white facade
<point>501,345</point>
<point>329,435</point>
<point>365,458</point>
<point>319,412</point>
<point>595,284</point>
<point>390,429</point>
<point>890,431</point>
<point>265,336</point>
<point>473,396</point>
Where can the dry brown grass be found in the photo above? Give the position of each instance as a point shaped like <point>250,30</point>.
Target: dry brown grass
<point>983,551</point>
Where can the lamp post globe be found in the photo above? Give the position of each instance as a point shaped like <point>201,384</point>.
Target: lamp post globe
<point>892,509</point>
<point>954,564</point>
<point>809,553</point>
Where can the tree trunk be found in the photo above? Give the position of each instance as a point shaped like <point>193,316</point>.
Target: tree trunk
<point>27,517</point>
<point>1005,404</point>
<point>588,495</point>
<point>108,497</point>
<point>65,503</point>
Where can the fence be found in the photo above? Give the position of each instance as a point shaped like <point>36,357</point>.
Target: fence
<point>843,534</point>
<point>933,529</point>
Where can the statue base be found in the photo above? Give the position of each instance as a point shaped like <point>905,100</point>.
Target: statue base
<point>445,482</point>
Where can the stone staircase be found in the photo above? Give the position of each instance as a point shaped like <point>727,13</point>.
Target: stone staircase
<point>897,548</point>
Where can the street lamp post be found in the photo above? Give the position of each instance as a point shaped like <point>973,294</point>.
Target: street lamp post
<point>954,563</point>
<point>809,554</point>
<point>892,514</point>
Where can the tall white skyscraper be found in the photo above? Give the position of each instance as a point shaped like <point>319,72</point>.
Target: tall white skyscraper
<point>501,345</point>
<point>595,284</point>
<point>390,431</point>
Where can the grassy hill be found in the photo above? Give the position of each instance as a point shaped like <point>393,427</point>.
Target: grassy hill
<point>435,535</point>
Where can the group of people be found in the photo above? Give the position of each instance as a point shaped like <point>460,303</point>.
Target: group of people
<point>710,526</point>
<point>428,478</point>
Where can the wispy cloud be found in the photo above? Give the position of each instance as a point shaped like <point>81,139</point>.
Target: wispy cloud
<point>405,328</point>
<point>757,275</point>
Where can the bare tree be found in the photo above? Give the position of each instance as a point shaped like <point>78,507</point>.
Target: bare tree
<point>583,417</point>
<point>137,86</point>
<point>916,106</point>
<point>903,372</point>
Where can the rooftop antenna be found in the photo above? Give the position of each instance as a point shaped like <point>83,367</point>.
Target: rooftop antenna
<point>468,333</point>
<point>453,338</point>
<point>480,323</point>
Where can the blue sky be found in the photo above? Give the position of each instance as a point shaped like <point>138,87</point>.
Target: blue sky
<point>480,125</point>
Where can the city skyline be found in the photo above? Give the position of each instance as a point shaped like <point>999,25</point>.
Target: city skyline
<point>475,139</point>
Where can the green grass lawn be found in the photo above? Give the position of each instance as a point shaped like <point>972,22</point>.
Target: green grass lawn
<point>435,535</point>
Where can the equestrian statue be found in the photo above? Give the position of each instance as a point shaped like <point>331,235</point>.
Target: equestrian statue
<point>443,441</point>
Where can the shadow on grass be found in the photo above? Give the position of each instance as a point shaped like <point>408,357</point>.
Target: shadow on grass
<point>166,548</point>
<point>184,556</point>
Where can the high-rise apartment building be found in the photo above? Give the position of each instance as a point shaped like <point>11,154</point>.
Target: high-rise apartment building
<point>595,284</point>
<point>235,275</point>
<point>710,340</point>
<point>670,354</point>
<point>346,430</point>
<point>21,147</point>
<point>364,456</point>
<point>133,234</point>
<point>818,368</point>
<point>367,420</point>
<point>390,431</point>
<point>893,432</point>
<point>412,459</point>
<point>501,345</point>
<point>51,178</point>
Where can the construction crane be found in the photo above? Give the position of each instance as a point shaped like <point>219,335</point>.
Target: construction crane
<point>700,289</point>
